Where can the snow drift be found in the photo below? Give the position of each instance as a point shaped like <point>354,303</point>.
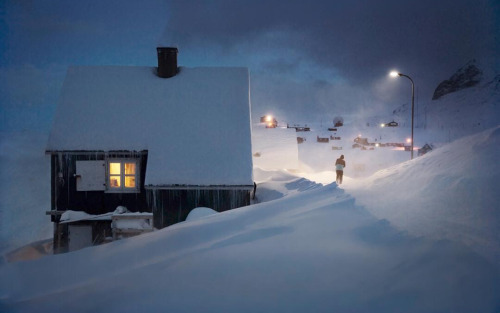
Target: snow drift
<point>315,250</point>
<point>450,193</point>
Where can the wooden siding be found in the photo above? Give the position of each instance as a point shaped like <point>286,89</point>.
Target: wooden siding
<point>173,206</point>
<point>66,197</point>
<point>101,230</point>
<point>169,206</point>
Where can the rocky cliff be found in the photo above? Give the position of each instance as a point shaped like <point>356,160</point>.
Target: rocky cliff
<point>467,76</point>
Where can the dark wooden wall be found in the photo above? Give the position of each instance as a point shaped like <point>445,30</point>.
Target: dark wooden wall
<point>169,206</point>
<point>173,206</point>
<point>66,197</point>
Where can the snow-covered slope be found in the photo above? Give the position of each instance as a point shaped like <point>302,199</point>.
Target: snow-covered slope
<point>451,193</point>
<point>316,248</point>
<point>312,251</point>
<point>464,112</point>
<point>421,236</point>
<point>24,190</point>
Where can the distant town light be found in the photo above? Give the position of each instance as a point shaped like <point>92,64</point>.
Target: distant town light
<point>269,118</point>
<point>408,140</point>
<point>382,125</point>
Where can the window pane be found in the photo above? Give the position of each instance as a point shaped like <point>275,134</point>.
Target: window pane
<point>114,168</point>
<point>130,181</point>
<point>129,168</point>
<point>115,181</point>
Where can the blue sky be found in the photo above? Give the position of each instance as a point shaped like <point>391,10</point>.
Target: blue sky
<point>306,58</point>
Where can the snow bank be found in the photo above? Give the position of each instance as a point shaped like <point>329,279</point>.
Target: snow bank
<point>71,216</point>
<point>311,251</point>
<point>24,190</point>
<point>451,192</point>
<point>272,185</point>
<point>200,212</point>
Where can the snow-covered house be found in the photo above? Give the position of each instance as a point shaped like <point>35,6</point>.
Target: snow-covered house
<point>163,140</point>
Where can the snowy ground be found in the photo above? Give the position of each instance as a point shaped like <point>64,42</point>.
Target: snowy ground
<point>416,237</point>
<point>24,189</point>
<point>396,236</point>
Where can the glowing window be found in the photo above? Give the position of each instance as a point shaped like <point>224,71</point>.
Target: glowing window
<point>123,176</point>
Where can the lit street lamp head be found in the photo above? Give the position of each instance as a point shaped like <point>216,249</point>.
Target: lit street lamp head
<point>396,74</point>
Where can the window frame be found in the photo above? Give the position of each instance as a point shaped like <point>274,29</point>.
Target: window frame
<point>122,188</point>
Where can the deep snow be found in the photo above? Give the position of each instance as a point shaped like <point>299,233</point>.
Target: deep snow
<point>312,248</point>
<point>450,193</point>
<point>417,236</point>
<point>24,189</point>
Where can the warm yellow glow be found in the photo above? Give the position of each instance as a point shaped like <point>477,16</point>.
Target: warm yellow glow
<point>394,74</point>
<point>408,140</point>
<point>129,181</point>
<point>129,168</point>
<point>382,125</point>
<point>114,168</point>
<point>269,118</point>
<point>377,145</point>
<point>115,181</point>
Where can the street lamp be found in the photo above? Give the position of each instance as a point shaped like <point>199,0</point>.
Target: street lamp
<point>396,74</point>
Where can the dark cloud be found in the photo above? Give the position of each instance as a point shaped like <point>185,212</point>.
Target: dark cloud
<point>305,57</point>
<point>354,42</point>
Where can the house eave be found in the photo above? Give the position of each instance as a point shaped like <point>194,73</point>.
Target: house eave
<point>199,187</point>
<point>92,152</point>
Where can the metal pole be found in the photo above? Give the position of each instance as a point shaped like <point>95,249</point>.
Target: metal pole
<point>412,108</point>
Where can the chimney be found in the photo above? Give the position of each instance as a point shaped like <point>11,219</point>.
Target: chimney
<point>167,61</point>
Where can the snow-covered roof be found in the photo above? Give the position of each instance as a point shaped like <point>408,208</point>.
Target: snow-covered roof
<point>195,125</point>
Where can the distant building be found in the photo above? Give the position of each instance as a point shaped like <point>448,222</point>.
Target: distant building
<point>270,121</point>
<point>361,141</point>
<point>426,148</point>
<point>322,139</point>
<point>390,124</point>
<point>149,139</point>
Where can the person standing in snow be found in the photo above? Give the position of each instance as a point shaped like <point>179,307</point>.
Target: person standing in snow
<point>339,167</point>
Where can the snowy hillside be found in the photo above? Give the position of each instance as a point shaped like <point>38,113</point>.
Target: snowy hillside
<point>450,193</point>
<point>316,248</point>
<point>416,236</point>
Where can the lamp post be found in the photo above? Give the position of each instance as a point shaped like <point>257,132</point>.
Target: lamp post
<point>396,74</point>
